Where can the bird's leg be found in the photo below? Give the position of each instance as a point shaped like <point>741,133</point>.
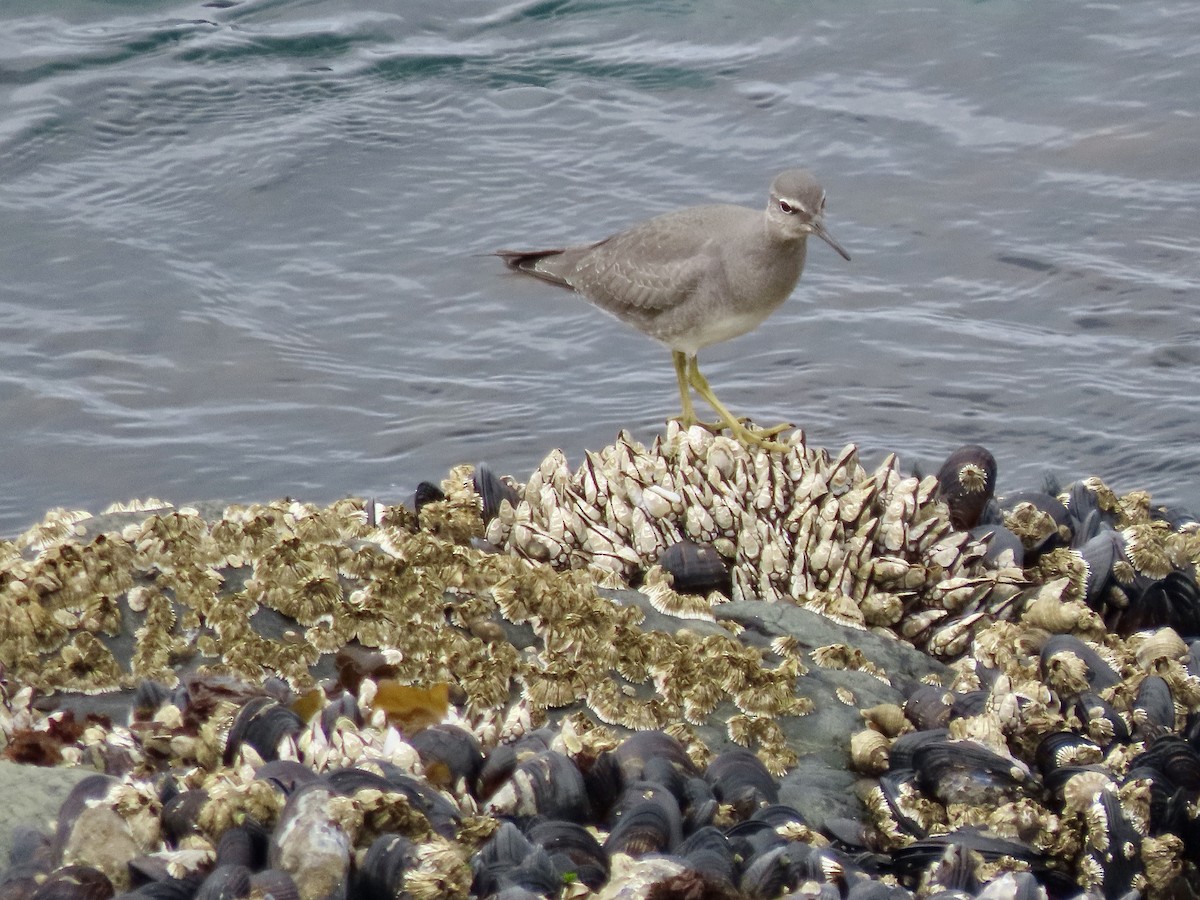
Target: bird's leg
<point>688,418</point>
<point>758,436</point>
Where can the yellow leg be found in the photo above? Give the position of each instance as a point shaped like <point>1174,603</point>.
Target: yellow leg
<point>759,437</point>
<point>688,418</point>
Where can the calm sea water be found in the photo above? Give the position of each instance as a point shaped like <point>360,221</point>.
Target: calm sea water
<point>241,250</point>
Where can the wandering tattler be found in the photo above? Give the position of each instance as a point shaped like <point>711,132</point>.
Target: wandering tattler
<point>695,277</point>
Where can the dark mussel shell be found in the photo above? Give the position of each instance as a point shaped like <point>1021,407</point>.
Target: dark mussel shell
<point>769,875</point>
<point>700,804</point>
<point>604,783</point>
<point>642,746</point>
<point>427,492</point>
<point>19,883</point>
<point>145,868</point>
<point>957,869</point>
<point>1192,661</point>
<point>778,815</point>
<point>851,835</point>
<point>354,663</point>
<point>262,723</point>
<point>902,752</point>
<point>74,883</point>
<point>709,852</point>
<point>274,884</point>
<point>1084,516</point>
<point>171,889</point>
<point>966,482</point>
<point>752,837</point>
<point>918,855</point>
<point>1153,709</point>
<point>572,848</point>
<point>1060,749</point>
<point>381,875</point>
<point>149,696</point>
<point>285,774</point>
<point>1176,759</point>
<point>647,819</point>
<point>898,788</point>
<point>928,706</point>
<point>504,850</point>
<point>243,845</point>
<point>350,780</point>
<point>696,568</point>
<point>1099,554</point>
<point>444,817</point>
<point>825,865</point>
<point>966,772</point>
<point>666,774</point>
<point>179,815</point>
<point>1162,794</point>
<point>536,873</point>
<point>826,891</point>
<point>1171,602</point>
<point>229,882</point>
<point>308,844</point>
<point>94,787</point>
<point>999,539</point>
<point>449,754</point>
<point>498,765</point>
<point>1117,852</point>
<point>868,889</point>
<point>740,779</point>
<point>493,490</point>
<point>501,761</point>
<point>1058,648</point>
<point>343,706</point>
<point>1051,506</point>
<point>969,703</point>
<point>546,784</point>
<point>1100,719</point>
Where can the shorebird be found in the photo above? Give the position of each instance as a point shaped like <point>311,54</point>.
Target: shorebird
<point>696,277</point>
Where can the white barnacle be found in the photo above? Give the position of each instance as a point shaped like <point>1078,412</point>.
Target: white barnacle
<point>953,639</point>
<point>698,523</point>
<point>659,503</point>
<point>844,469</point>
<point>620,514</point>
<point>646,539</point>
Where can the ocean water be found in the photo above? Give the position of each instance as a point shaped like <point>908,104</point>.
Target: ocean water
<point>243,245</point>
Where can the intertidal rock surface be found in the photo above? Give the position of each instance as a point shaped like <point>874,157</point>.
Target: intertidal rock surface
<point>822,685</point>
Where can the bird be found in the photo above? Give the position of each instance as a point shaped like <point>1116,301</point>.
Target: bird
<point>695,277</point>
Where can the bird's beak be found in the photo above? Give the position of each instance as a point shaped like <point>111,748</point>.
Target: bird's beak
<point>819,231</point>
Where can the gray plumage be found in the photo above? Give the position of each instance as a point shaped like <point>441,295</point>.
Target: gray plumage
<point>696,276</point>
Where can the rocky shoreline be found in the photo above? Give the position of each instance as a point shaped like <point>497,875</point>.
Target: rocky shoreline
<point>929,708</point>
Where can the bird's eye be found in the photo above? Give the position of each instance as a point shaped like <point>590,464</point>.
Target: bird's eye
<point>786,207</point>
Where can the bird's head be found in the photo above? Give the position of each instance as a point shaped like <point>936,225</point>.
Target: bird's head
<point>797,208</point>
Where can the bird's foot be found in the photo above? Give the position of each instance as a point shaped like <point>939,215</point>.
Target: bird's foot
<point>758,438</point>
<point>686,422</point>
<point>741,429</point>
<point>771,432</point>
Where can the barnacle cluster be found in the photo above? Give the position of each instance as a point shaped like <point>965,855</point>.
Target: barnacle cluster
<point>873,549</point>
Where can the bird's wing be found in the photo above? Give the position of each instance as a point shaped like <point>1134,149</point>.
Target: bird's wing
<point>653,266</point>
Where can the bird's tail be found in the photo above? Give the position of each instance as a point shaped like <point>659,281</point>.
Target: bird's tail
<point>527,261</point>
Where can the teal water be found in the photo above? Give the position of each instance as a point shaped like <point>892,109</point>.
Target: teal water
<point>242,251</point>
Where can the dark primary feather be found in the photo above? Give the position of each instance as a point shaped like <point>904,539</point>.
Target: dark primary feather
<point>526,261</point>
